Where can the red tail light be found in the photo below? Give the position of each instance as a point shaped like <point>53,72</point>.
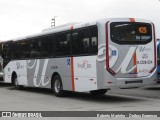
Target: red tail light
<point>107,52</point>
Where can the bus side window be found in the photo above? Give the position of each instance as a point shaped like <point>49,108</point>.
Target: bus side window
<point>16,50</point>
<point>7,52</point>
<point>62,44</point>
<point>80,42</point>
<point>86,46</point>
<point>45,46</point>
<point>23,49</point>
<point>26,50</point>
<point>1,49</point>
<point>33,48</point>
<point>94,39</point>
<point>39,48</point>
<point>51,43</point>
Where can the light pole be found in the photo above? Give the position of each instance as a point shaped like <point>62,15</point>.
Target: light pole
<point>53,21</point>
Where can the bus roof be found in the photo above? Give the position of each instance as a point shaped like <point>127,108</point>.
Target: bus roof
<point>56,29</point>
<point>74,25</point>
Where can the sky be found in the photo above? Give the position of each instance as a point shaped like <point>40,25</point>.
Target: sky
<point>24,17</point>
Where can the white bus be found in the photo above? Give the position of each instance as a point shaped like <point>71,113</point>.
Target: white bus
<point>93,56</point>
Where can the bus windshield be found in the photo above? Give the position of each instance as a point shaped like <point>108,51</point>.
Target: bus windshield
<point>131,33</point>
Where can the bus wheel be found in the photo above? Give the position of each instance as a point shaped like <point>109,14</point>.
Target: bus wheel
<point>17,87</point>
<point>98,92</point>
<point>57,86</point>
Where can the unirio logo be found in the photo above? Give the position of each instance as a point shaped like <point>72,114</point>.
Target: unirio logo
<point>143,49</point>
<point>84,65</point>
<point>18,64</point>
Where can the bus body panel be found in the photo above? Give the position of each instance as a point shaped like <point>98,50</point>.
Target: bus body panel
<point>38,72</point>
<point>85,73</point>
<point>137,82</point>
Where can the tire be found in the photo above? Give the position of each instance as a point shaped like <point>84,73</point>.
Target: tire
<point>98,92</point>
<point>57,86</point>
<point>16,85</point>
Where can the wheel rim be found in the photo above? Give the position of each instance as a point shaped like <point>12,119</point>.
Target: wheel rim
<point>57,86</point>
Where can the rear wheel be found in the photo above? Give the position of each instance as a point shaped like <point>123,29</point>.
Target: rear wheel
<point>98,92</point>
<point>57,86</point>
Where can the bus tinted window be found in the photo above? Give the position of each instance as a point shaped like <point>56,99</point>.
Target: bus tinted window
<point>1,49</point>
<point>35,45</point>
<point>80,42</point>
<point>47,46</point>
<point>16,50</point>
<point>21,49</point>
<point>39,48</point>
<point>25,49</point>
<point>7,51</point>
<point>94,39</point>
<point>130,33</point>
<point>62,44</point>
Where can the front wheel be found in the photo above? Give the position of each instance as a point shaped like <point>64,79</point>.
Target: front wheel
<point>57,86</point>
<point>98,92</point>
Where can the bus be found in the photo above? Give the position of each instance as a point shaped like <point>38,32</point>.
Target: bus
<point>84,57</point>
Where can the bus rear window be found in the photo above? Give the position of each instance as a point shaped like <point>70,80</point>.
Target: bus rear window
<point>130,33</point>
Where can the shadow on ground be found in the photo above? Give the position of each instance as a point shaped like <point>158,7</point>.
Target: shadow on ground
<point>107,98</point>
<point>152,88</point>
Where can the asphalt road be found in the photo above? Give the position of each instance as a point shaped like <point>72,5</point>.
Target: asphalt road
<point>36,99</point>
